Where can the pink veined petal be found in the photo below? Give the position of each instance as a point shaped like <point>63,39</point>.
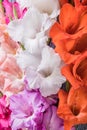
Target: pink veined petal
<point>12,10</point>
<point>20,13</point>
<point>10,66</point>
<point>8,8</point>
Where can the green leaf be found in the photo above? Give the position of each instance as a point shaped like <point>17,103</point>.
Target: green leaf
<point>1,6</point>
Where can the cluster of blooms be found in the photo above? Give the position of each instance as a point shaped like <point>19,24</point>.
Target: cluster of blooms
<point>43,60</point>
<point>69,35</point>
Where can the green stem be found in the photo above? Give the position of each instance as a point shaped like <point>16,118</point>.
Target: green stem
<point>15,12</point>
<point>1,6</point>
<point>67,86</point>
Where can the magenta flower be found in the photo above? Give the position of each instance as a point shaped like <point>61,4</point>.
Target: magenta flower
<point>27,110</point>
<point>12,10</point>
<point>4,114</point>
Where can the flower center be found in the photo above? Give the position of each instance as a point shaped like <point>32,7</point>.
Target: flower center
<point>28,110</point>
<point>82,70</point>
<point>46,74</point>
<point>75,110</point>
<point>80,45</point>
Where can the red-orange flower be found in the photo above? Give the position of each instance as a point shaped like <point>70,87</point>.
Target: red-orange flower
<point>73,107</point>
<point>70,34</point>
<point>76,73</point>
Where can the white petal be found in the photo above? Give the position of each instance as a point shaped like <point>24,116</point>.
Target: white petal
<point>35,46</point>
<point>49,60</point>
<point>23,3</point>
<point>55,13</point>
<point>47,85</point>
<point>52,83</point>
<point>15,30</point>
<point>44,6</point>
<point>30,30</point>
<point>32,78</point>
<point>47,77</point>
<point>26,27</point>
<point>25,60</point>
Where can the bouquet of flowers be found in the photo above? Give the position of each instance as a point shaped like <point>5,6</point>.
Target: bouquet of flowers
<point>43,60</point>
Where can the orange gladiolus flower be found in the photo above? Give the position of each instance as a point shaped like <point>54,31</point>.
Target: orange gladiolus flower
<point>73,107</point>
<point>76,73</point>
<point>70,34</point>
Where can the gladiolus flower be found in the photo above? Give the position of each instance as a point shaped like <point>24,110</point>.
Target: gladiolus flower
<point>69,35</point>
<point>76,73</point>
<point>4,114</point>
<point>36,112</point>
<point>30,115</point>
<point>50,7</point>
<point>12,10</point>
<point>8,45</point>
<point>73,107</point>
<point>35,25</point>
<point>44,72</point>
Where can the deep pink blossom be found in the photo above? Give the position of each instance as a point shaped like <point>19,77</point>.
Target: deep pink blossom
<point>13,10</point>
<point>4,114</point>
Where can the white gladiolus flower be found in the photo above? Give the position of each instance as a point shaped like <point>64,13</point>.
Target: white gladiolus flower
<point>44,6</point>
<point>31,30</point>
<point>44,73</point>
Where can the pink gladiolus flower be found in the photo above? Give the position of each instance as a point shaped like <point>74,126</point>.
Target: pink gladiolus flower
<point>4,114</point>
<point>10,84</point>
<point>2,22</point>
<point>12,10</point>
<point>10,74</point>
<point>10,66</point>
<point>9,45</point>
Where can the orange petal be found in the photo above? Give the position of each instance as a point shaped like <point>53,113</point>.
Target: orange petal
<point>83,21</point>
<point>80,68</point>
<point>69,20</point>
<point>73,109</point>
<point>67,72</point>
<point>64,111</point>
<point>62,2</point>
<point>55,29</point>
